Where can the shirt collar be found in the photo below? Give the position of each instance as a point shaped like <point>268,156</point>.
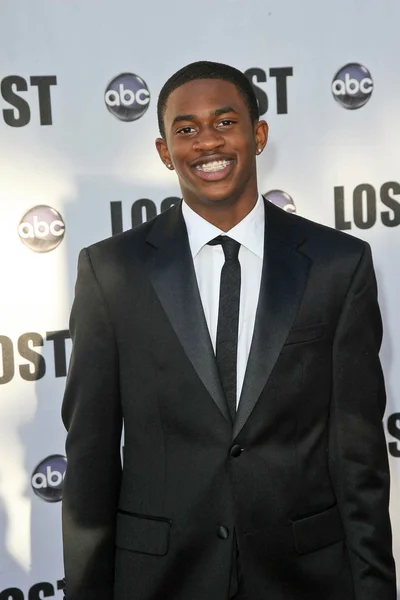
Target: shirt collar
<point>249,232</point>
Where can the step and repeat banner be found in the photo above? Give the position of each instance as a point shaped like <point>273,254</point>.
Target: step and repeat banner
<point>78,89</point>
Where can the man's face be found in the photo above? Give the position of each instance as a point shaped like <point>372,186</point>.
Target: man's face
<point>211,141</point>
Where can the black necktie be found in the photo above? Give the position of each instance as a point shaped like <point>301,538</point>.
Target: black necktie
<point>228,319</point>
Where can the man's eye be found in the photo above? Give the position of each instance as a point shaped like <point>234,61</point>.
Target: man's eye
<point>226,123</point>
<point>185,130</point>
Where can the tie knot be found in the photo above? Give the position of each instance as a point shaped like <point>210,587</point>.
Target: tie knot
<point>229,246</point>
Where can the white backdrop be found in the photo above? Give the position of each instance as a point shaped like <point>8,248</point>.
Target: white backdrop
<point>61,147</point>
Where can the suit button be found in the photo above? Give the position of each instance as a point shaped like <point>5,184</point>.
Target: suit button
<point>223,532</point>
<point>236,451</point>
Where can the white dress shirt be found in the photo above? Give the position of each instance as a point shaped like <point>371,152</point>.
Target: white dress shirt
<point>208,262</point>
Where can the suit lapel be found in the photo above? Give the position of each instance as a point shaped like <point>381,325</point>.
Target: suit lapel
<point>171,271</point>
<point>283,281</point>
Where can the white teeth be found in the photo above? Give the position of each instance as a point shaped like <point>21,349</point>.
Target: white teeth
<point>216,165</point>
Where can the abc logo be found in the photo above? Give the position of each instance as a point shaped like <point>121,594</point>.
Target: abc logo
<point>281,199</point>
<point>41,229</point>
<point>48,478</point>
<point>127,97</point>
<point>352,86</point>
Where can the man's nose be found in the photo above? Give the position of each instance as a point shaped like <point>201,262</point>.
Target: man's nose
<point>208,139</point>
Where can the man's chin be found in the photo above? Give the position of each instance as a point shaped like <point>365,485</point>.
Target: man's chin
<point>217,197</point>
<point>209,192</point>
<point>215,192</point>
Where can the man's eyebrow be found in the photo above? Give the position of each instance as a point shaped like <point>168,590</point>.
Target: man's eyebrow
<point>223,111</point>
<point>183,118</point>
<point>213,113</point>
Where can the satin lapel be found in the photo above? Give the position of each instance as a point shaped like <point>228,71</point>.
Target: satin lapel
<point>171,271</point>
<point>283,281</point>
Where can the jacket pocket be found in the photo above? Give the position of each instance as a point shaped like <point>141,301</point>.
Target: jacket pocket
<point>309,333</point>
<point>142,533</point>
<point>317,531</point>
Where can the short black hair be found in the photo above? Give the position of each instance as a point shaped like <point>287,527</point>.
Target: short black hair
<point>207,70</point>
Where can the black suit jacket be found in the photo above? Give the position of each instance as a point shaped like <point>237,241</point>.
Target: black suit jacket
<point>306,488</point>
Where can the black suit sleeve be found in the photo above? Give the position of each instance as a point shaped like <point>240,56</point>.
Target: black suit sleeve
<point>358,454</point>
<point>92,416</point>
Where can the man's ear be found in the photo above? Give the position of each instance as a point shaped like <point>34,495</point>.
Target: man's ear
<point>163,153</point>
<point>261,135</point>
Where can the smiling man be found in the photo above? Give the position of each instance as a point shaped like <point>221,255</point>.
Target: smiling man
<point>238,344</point>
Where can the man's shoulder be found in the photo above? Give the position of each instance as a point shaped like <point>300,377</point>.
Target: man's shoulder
<point>315,237</point>
<point>130,243</point>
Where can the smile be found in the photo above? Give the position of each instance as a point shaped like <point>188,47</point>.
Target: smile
<point>214,170</point>
<point>213,167</point>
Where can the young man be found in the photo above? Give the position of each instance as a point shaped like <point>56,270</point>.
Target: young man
<point>239,346</point>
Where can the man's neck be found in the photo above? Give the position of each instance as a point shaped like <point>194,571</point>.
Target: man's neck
<point>224,215</point>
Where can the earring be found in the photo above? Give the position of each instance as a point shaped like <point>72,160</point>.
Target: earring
<point>169,166</point>
<point>259,150</point>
